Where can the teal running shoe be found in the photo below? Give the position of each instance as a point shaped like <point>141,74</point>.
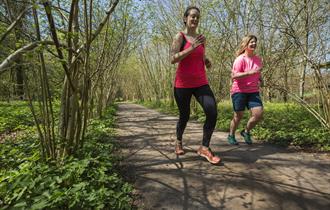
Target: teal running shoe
<point>247,137</point>
<point>231,140</point>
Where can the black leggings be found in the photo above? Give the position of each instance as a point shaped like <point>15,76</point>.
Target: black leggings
<point>205,98</point>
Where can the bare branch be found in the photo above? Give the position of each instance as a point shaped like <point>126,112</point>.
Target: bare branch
<point>56,41</point>
<point>13,24</point>
<point>97,31</point>
<point>12,57</point>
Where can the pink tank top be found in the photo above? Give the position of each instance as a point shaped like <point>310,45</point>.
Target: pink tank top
<point>190,72</point>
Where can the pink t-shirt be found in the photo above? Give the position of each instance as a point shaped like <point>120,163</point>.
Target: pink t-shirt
<point>248,84</point>
<point>191,70</point>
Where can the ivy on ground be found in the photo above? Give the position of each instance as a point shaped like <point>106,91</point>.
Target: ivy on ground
<point>89,180</point>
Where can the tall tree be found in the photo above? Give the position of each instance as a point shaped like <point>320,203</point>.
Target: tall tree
<point>16,13</point>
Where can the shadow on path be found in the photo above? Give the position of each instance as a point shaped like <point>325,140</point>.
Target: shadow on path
<point>258,177</point>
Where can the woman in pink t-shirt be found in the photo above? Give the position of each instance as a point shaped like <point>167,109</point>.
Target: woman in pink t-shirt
<point>188,49</point>
<point>246,76</point>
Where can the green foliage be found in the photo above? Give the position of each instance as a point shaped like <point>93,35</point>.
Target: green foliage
<point>283,124</point>
<point>162,105</point>
<point>14,153</point>
<point>286,124</point>
<point>89,180</point>
<point>15,116</point>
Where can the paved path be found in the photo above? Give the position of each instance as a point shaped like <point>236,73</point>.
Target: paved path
<point>258,177</point>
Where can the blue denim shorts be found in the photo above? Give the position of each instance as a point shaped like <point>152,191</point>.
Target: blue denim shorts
<point>248,100</point>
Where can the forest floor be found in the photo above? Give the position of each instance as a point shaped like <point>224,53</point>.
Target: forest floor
<point>260,176</point>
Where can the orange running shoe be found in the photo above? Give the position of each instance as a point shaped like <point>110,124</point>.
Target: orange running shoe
<point>208,154</point>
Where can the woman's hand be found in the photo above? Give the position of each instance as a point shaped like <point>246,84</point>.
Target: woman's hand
<point>261,82</point>
<point>200,39</point>
<point>208,63</point>
<point>255,71</point>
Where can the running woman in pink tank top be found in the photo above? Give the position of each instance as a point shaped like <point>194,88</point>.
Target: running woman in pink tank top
<point>246,76</point>
<point>188,50</point>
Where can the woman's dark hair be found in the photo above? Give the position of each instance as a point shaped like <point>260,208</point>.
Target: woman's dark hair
<point>186,13</point>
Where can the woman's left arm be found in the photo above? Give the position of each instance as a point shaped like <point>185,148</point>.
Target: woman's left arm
<point>207,61</point>
<point>261,81</point>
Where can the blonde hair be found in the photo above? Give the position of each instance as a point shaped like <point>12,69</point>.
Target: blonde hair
<point>245,41</point>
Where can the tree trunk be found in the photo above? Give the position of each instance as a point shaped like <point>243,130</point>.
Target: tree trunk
<point>303,70</point>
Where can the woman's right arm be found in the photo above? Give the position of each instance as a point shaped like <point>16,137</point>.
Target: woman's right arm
<point>239,72</point>
<point>236,75</point>
<point>176,55</point>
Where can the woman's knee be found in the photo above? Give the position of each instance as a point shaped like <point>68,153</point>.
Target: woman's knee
<point>257,114</point>
<point>258,117</point>
<point>211,113</point>
<point>238,115</point>
<point>184,118</point>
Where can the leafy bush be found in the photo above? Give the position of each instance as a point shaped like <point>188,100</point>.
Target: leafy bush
<point>291,124</point>
<point>89,180</point>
